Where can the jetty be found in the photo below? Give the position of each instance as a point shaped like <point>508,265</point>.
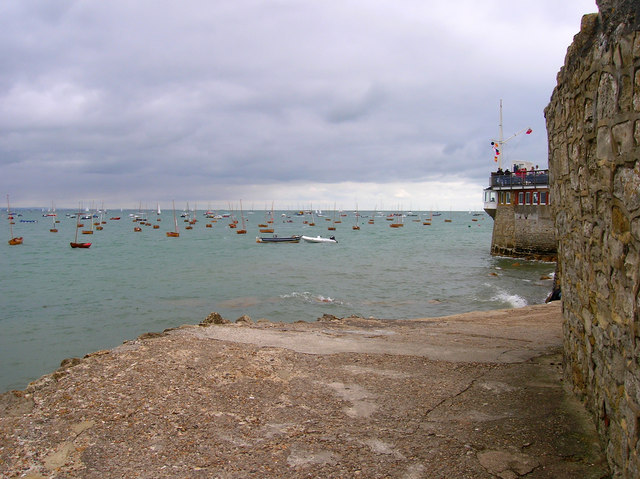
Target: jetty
<point>477,395</point>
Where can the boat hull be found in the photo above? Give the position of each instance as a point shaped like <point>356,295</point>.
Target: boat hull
<point>318,239</point>
<point>80,245</point>
<point>278,239</point>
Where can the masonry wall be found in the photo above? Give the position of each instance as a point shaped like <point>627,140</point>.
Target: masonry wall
<point>523,231</point>
<point>503,238</point>
<point>534,229</point>
<point>593,123</point>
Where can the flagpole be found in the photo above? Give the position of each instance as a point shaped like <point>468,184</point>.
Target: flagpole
<point>500,139</point>
<point>499,144</point>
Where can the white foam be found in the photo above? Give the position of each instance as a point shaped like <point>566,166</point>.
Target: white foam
<point>514,300</point>
<point>309,297</point>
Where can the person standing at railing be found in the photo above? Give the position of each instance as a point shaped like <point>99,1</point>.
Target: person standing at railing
<point>507,177</point>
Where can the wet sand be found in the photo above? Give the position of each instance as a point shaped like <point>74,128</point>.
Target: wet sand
<point>478,395</point>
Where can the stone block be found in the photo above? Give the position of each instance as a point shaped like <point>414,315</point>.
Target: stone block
<point>589,114</point>
<point>626,187</point>
<point>626,94</point>
<point>623,139</point>
<point>636,95</point>
<point>636,46</point>
<point>635,230</point>
<point>604,150</point>
<point>617,57</point>
<point>619,226</point>
<point>607,99</point>
<point>602,285</point>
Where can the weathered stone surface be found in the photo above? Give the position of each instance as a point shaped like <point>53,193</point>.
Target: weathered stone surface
<point>507,463</point>
<point>214,318</point>
<point>478,395</point>
<point>244,319</point>
<point>524,231</point>
<point>597,211</point>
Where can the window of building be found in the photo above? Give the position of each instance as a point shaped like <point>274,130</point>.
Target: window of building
<point>521,198</point>
<point>490,196</point>
<point>508,198</point>
<point>535,197</point>
<point>528,198</point>
<point>544,197</point>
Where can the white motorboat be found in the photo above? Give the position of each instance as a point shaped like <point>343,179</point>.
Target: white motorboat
<point>319,239</point>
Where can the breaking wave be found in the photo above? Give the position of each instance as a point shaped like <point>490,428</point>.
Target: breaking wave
<point>310,297</point>
<point>514,300</point>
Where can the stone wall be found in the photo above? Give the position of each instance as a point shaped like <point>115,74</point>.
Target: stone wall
<point>534,230</point>
<point>523,231</point>
<point>503,240</point>
<point>593,123</point>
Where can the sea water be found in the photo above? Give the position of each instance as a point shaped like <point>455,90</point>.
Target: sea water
<point>59,302</point>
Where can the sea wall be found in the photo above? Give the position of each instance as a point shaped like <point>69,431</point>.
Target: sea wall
<point>503,239</point>
<point>523,231</point>
<point>593,123</point>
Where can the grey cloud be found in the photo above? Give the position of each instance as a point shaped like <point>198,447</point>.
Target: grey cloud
<point>104,96</point>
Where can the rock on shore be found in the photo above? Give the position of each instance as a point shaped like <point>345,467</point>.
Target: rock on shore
<point>469,396</point>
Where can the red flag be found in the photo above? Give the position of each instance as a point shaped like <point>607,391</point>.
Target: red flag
<point>528,132</point>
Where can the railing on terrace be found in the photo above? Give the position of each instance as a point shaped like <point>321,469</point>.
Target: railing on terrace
<point>520,178</point>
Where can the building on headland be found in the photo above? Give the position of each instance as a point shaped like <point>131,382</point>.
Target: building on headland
<point>518,201</point>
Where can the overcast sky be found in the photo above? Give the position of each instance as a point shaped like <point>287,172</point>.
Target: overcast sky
<point>306,103</point>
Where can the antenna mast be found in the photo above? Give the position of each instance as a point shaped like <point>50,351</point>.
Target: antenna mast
<point>498,144</point>
<point>501,138</point>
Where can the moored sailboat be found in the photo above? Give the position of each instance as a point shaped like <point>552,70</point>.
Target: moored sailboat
<point>268,228</point>
<point>448,220</point>
<point>53,229</point>
<point>312,222</point>
<point>174,233</point>
<point>333,223</point>
<point>242,231</point>
<point>13,240</point>
<point>74,243</point>
<point>54,217</point>
<point>398,220</point>
<point>90,230</point>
